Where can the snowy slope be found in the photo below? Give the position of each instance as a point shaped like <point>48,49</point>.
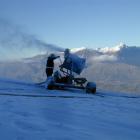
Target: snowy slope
<point>31,112</point>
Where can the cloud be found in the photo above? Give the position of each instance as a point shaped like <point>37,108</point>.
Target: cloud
<point>105,57</point>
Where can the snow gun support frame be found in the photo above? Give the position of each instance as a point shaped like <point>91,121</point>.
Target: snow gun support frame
<point>71,66</point>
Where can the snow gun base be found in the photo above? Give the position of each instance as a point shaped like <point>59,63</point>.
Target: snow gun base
<point>89,88</point>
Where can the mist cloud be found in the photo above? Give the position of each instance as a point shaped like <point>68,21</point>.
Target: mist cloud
<point>104,57</point>
<point>15,43</point>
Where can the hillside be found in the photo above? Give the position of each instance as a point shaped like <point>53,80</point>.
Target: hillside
<point>32,112</point>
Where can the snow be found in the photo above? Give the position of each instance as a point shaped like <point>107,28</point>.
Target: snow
<point>104,49</point>
<point>65,114</point>
<point>113,49</point>
<point>74,50</point>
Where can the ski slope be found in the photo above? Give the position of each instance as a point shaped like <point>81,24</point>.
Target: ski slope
<point>28,111</point>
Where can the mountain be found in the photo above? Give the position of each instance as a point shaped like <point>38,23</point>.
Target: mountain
<point>120,53</point>
<point>30,112</point>
<point>74,50</point>
<point>114,49</point>
<point>114,69</point>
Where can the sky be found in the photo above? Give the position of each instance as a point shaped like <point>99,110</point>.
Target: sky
<point>77,23</point>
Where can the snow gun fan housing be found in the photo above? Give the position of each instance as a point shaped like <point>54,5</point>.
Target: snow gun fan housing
<point>72,65</point>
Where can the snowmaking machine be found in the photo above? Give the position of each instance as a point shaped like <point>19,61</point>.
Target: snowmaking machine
<point>67,76</point>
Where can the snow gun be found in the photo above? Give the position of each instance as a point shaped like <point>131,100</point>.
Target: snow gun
<point>67,76</point>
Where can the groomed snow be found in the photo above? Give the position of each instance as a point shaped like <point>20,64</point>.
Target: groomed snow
<point>66,115</point>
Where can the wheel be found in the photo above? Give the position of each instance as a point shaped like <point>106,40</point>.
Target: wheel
<point>50,85</point>
<point>91,87</point>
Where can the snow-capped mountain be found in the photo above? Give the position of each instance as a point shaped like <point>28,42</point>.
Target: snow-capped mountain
<point>74,50</point>
<point>123,53</point>
<point>115,49</point>
<point>111,67</point>
<point>105,50</point>
<point>120,53</point>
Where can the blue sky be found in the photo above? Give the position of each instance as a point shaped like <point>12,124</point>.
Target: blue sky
<point>77,23</point>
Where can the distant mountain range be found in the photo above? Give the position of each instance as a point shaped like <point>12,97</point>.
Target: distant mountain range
<point>120,53</point>
<point>114,69</point>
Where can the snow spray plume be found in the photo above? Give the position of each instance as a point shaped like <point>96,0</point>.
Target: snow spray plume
<point>16,44</point>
